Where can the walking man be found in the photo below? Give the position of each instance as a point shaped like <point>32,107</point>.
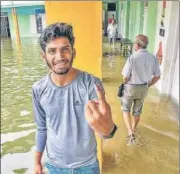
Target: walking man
<point>69,106</point>
<point>112,33</point>
<point>139,73</point>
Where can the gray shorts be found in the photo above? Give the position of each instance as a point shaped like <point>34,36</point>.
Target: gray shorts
<point>134,95</point>
<point>112,39</point>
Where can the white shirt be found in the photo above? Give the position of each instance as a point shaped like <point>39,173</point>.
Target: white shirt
<point>140,67</point>
<point>112,30</point>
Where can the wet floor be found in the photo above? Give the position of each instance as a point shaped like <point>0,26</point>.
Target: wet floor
<point>21,66</point>
<point>156,151</point>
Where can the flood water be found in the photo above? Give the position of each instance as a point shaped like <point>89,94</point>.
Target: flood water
<point>21,66</point>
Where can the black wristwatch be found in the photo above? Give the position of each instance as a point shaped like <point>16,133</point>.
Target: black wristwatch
<point>112,133</point>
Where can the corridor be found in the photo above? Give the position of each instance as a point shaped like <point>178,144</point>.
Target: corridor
<point>157,149</point>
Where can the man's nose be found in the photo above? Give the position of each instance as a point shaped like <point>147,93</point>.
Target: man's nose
<point>59,54</point>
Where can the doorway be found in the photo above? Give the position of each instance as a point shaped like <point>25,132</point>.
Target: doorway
<point>5,29</point>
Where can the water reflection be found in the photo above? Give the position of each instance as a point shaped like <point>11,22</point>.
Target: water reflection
<point>21,66</point>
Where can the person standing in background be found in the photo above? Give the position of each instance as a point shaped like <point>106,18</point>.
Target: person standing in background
<point>112,34</point>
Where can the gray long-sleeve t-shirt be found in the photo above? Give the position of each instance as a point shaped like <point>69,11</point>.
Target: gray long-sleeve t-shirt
<point>60,118</point>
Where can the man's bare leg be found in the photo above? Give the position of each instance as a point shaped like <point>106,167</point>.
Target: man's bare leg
<point>127,120</point>
<point>113,47</point>
<point>110,45</point>
<point>135,122</point>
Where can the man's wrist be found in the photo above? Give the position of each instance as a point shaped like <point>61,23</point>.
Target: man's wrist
<point>38,163</point>
<point>111,134</point>
<point>38,157</point>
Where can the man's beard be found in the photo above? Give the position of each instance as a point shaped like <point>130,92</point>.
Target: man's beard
<point>63,71</point>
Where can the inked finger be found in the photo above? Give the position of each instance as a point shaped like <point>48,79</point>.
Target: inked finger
<point>100,93</point>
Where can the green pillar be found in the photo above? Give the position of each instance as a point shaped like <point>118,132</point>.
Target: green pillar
<point>132,20</point>
<point>141,17</point>
<point>137,22</point>
<point>117,11</point>
<point>151,24</point>
<point>126,18</point>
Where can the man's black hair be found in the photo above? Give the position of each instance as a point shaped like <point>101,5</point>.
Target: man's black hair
<point>56,30</point>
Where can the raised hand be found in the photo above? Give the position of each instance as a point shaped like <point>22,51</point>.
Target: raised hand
<point>98,114</point>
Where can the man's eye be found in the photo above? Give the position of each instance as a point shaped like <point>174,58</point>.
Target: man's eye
<point>65,50</point>
<point>52,51</point>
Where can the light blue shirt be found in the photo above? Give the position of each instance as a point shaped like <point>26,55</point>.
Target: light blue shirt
<point>60,118</point>
<point>140,67</point>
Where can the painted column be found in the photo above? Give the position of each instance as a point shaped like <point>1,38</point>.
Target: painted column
<point>123,19</point>
<point>137,22</point>
<point>86,19</point>
<point>126,16</point>
<point>151,24</point>
<point>141,17</point>
<point>132,18</point>
<point>119,14</point>
<point>15,21</point>
<point>117,11</point>
<point>105,17</point>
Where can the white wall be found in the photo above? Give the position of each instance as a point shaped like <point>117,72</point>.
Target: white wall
<point>43,16</point>
<point>170,47</point>
<point>4,3</point>
<point>33,27</point>
<point>175,85</point>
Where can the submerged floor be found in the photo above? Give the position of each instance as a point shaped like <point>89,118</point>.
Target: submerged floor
<point>157,150</point>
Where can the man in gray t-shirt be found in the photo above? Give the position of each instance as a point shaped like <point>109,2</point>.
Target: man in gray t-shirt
<point>69,105</point>
<point>140,72</point>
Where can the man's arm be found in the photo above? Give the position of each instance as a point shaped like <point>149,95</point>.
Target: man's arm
<point>41,131</point>
<point>154,80</point>
<point>125,79</point>
<point>126,72</point>
<point>156,74</point>
<point>38,157</point>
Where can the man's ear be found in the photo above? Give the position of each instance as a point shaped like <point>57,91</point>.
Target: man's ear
<point>43,55</point>
<point>74,52</point>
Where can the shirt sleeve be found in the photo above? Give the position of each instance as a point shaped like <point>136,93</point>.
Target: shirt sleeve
<point>40,119</point>
<point>126,72</point>
<point>157,71</point>
<point>93,94</point>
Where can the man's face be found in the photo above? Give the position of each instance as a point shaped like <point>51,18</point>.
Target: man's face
<point>59,55</point>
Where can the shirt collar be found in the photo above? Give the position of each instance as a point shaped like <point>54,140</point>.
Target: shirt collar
<point>142,50</point>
